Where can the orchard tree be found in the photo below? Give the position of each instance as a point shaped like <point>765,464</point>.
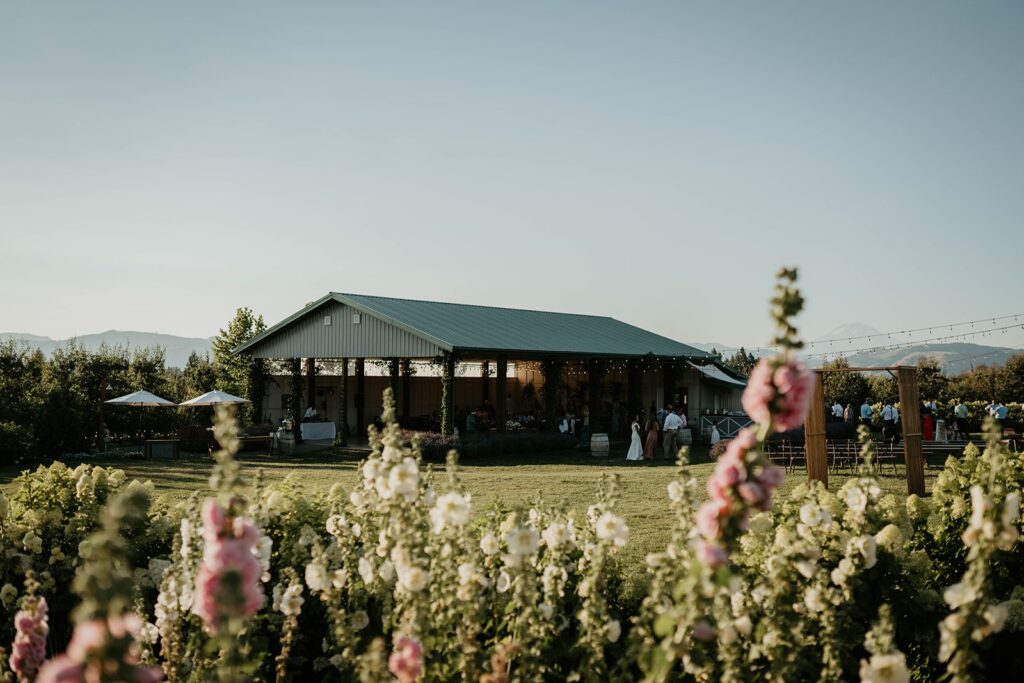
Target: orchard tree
<point>932,385</point>
<point>240,374</point>
<point>844,386</point>
<point>742,361</point>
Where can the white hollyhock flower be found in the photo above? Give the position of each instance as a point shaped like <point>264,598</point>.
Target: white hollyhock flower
<point>84,487</point>
<point>556,535</point>
<point>613,629</point>
<point>814,515</point>
<point>391,454</point>
<point>504,582</point>
<point>813,600</point>
<point>856,499</point>
<point>522,541</point>
<point>887,668</point>
<point>316,577</point>
<point>958,594</point>
<point>357,499</point>
<point>337,525</point>
<point>546,610</point>
<point>367,571</point>
<point>404,479</point>
<point>612,528</point>
<point>371,468</point>
<point>489,544</point>
<point>676,491</point>
<point>412,578</point>
<point>451,509</point>
<point>386,571</point>
<point>291,600</point>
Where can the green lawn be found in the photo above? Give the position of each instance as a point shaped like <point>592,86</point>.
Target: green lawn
<point>569,476</point>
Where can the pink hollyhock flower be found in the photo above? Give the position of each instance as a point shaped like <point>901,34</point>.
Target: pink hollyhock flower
<point>780,389</point>
<point>708,520</point>
<point>61,669</point>
<point>88,636</point>
<point>406,662</point>
<point>702,630</point>
<point>228,550</point>
<point>751,493</point>
<point>711,555</point>
<point>29,647</point>
<point>771,476</point>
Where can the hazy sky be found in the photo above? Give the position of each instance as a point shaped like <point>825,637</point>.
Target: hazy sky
<point>163,163</point>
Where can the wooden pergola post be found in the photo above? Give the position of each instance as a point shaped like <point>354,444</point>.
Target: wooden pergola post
<point>814,434</point>
<point>485,381</point>
<point>595,376</point>
<point>910,408</point>
<point>501,389</point>
<point>632,390</point>
<point>343,403</point>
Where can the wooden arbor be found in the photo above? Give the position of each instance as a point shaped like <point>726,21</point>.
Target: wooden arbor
<point>814,430</point>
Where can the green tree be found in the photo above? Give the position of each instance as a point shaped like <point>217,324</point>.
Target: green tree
<point>883,388</point>
<point>240,374</point>
<point>932,384</point>
<point>742,361</point>
<point>1013,379</point>
<point>844,386</point>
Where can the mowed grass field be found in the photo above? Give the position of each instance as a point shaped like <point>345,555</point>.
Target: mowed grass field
<point>569,477</point>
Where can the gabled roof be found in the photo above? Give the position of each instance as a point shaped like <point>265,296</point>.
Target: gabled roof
<point>720,372</point>
<point>469,328</point>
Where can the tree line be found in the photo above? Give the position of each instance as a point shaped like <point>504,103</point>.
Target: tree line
<point>54,405</point>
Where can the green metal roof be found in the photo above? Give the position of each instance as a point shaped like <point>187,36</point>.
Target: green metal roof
<point>468,328</point>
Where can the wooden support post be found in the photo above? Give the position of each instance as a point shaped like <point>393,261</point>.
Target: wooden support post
<point>393,383</point>
<point>310,383</point>
<point>911,416</point>
<point>343,405</point>
<point>632,390</point>
<point>448,394</point>
<point>814,435</point>
<point>552,370</point>
<point>485,381</point>
<point>668,380</point>
<point>595,383</point>
<point>406,387</point>
<point>360,396</point>
<point>501,397</point>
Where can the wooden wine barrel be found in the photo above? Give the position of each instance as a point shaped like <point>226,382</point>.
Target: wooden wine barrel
<point>599,445</point>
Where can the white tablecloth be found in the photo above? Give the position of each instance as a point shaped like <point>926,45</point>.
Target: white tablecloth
<point>318,431</point>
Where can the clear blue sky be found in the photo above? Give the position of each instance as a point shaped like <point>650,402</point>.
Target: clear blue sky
<point>164,163</point>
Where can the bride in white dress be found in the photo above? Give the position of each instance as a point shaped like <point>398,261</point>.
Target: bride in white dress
<point>636,448</point>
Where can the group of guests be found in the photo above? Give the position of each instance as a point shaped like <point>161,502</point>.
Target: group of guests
<point>668,423</point>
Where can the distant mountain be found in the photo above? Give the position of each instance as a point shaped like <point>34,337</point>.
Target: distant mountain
<point>176,349</point>
<point>953,358</point>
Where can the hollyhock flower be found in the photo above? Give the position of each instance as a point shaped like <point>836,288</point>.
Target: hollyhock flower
<point>702,630</point>
<point>452,509</point>
<point>752,493</point>
<point>522,541</point>
<point>779,392</point>
<point>29,648</point>
<point>61,669</point>
<point>708,520</point>
<point>771,477</point>
<point>711,555</point>
<point>885,668</point>
<point>406,661</point>
<point>612,527</point>
<point>228,581</point>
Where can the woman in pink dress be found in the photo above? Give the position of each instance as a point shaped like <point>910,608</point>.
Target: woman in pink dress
<point>652,439</point>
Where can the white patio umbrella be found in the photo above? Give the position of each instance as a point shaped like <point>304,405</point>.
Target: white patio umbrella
<point>140,398</point>
<point>213,398</point>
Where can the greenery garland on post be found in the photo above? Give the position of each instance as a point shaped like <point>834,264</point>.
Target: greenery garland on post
<point>447,393</point>
<point>297,392</point>
<point>257,388</point>
<point>551,368</point>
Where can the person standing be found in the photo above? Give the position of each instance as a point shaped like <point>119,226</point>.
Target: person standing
<point>310,415</point>
<point>888,420</point>
<point>716,436</point>
<point>635,446</point>
<point>651,444</point>
<point>865,413</point>
<point>848,414</point>
<point>673,423</point>
<point>999,413</point>
<point>960,418</point>
<point>837,411</point>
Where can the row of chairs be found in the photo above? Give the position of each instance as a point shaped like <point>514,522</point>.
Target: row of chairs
<point>841,455</point>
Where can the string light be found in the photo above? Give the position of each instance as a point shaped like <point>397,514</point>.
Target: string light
<point>1015,317</point>
<point>893,347</point>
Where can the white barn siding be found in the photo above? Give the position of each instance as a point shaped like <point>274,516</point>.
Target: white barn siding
<point>308,336</point>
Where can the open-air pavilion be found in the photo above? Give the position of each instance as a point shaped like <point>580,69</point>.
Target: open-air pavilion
<point>438,357</point>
